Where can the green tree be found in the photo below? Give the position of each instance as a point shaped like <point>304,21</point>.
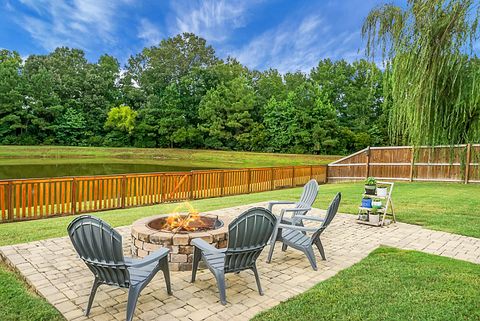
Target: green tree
<point>13,117</point>
<point>226,114</point>
<point>121,123</point>
<point>64,80</point>
<point>70,128</point>
<point>121,118</point>
<point>356,92</point>
<point>158,66</point>
<point>304,122</point>
<point>432,71</point>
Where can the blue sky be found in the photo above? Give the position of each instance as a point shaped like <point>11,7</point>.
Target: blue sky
<point>287,35</point>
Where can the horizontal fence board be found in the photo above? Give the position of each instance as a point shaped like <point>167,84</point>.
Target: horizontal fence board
<point>29,199</point>
<point>458,163</point>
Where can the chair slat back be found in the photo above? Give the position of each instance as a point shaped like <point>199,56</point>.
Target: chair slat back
<point>100,247</point>
<point>309,194</point>
<point>331,212</point>
<point>248,235</point>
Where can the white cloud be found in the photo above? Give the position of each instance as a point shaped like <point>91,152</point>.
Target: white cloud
<point>74,23</point>
<point>296,45</point>
<point>213,20</point>
<point>149,33</point>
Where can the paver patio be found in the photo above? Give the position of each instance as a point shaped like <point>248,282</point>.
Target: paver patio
<point>53,269</point>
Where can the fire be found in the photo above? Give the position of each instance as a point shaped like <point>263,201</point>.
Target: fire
<point>181,222</point>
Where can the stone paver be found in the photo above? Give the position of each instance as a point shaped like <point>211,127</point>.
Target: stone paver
<point>53,269</point>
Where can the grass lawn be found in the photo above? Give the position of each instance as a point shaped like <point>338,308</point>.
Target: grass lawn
<point>441,206</point>
<point>416,286</point>
<point>17,303</point>
<point>165,156</point>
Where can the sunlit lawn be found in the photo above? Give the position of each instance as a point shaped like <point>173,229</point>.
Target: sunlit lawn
<point>390,285</point>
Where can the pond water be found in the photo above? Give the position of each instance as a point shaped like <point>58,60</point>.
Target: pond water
<point>84,169</point>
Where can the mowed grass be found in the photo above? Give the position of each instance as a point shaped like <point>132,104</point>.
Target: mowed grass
<point>390,284</point>
<point>441,206</point>
<point>165,156</point>
<point>18,303</point>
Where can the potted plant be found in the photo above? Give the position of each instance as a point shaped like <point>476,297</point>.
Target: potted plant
<point>367,202</point>
<point>382,190</point>
<point>373,216</point>
<point>377,203</point>
<point>370,186</point>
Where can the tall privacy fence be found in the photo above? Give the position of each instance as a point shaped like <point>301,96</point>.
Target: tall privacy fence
<point>458,163</point>
<point>27,199</point>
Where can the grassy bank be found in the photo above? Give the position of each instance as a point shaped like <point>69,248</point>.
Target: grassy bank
<point>178,157</point>
<point>390,284</point>
<point>440,206</point>
<point>18,303</point>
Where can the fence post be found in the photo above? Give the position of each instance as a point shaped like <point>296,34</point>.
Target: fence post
<point>123,192</point>
<point>74,196</point>
<point>412,163</point>
<point>293,176</point>
<point>272,183</point>
<point>191,185</point>
<point>367,164</point>
<point>311,171</point>
<point>222,183</point>
<point>467,162</point>
<point>162,176</point>
<point>10,201</point>
<point>249,180</point>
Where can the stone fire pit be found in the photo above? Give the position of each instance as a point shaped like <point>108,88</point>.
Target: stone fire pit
<point>148,235</point>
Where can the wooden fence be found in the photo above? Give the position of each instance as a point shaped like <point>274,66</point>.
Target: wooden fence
<point>459,163</point>
<point>28,199</point>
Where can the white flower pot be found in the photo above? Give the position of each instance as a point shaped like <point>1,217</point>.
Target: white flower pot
<point>374,218</point>
<point>382,191</point>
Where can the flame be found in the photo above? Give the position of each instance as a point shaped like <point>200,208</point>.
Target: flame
<point>178,222</point>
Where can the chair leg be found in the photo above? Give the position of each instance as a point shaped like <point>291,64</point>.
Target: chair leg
<point>311,257</point>
<point>166,274</point>
<point>220,277</point>
<point>133,293</point>
<point>272,244</point>
<point>92,296</point>
<point>319,245</point>
<point>257,279</point>
<point>284,247</point>
<point>197,255</point>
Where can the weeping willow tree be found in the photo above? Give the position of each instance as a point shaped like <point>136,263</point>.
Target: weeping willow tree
<point>432,72</point>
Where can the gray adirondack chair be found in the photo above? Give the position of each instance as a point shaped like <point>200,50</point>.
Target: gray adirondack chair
<point>309,194</point>
<point>295,235</point>
<point>247,236</point>
<point>100,247</point>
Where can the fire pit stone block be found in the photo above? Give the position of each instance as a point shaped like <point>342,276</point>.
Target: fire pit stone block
<point>180,239</point>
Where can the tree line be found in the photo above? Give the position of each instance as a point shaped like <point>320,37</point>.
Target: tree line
<point>180,94</point>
